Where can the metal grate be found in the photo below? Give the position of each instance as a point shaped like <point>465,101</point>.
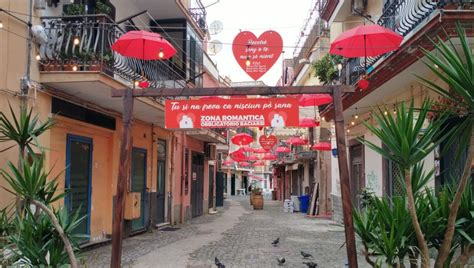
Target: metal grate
<point>396,179</point>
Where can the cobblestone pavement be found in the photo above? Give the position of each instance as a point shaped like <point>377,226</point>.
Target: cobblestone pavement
<point>239,237</point>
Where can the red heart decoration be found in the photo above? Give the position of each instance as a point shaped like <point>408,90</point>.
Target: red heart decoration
<point>267,142</point>
<point>262,52</point>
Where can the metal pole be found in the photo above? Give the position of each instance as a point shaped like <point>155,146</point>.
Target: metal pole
<point>25,81</point>
<point>124,172</point>
<point>344,178</point>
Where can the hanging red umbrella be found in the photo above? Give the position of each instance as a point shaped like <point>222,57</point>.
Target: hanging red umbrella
<point>365,41</point>
<point>241,139</point>
<point>143,45</point>
<point>296,141</point>
<point>253,158</point>
<point>228,162</point>
<point>314,100</point>
<point>259,164</point>
<point>308,122</point>
<point>244,164</point>
<point>260,151</point>
<point>322,146</point>
<point>238,155</point>
<point>270,156</point>
<point>282,149</point>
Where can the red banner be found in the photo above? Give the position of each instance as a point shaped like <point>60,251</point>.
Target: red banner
<point>231,113</point>
<point>257,55</point>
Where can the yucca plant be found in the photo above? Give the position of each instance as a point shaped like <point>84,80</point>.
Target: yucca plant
<point>23,130</point>
<point>31,183</point>
<point>407,142</point>
<point>454,65</point>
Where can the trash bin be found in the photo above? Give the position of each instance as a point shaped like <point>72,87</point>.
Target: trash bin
<point>304,203</point>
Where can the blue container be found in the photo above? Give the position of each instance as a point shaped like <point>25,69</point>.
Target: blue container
<point>304,203</point>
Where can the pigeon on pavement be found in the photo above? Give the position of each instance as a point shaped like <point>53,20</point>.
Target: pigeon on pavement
<point>275,242</point>
<point>306,255</point>
<point>311,264</point>
<point>218,263</point>
<point>281,261</point>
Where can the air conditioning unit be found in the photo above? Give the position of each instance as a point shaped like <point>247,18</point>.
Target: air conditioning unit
<point>210,151</point>
<point>358,6</point>
<point>40,4</point>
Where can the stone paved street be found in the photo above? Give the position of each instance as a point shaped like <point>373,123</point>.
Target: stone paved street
<point>238,236</point>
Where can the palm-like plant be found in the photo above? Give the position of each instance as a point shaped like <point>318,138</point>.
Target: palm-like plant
<point>407,142</point>
<point>455,67</point>
<point>23,130</point>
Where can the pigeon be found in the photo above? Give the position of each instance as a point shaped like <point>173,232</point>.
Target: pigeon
<point>218,263</point>
<point>281,261</point>
<point>311,264</point>
<point>275,242</point>
<point>306,255</point>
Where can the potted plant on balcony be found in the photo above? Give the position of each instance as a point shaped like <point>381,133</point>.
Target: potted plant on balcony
<point>326,68</point>
<point>257,198</point>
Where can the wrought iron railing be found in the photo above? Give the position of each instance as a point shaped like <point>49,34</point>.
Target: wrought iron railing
<point>401,16</point>
<point>198,13</point>
<point>84,44</point>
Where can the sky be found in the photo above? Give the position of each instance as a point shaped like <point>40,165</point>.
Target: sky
<point>285,17</point>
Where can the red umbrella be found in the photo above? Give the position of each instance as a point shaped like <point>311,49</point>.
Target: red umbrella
<point>238,155</point>
<point>144,45</point>
<point>308,122</point>
<point>270,156</point>
<point>365,41</point>
<point>244,164</point>
<point>322,146</point>
<point>228,162</point>
<point>296,141</point>
<point>259,151</point>
<point>242,139</point>
<point>315,99</point>
<point>253,158</point>
<point>282,149</point>
<point>259,164</point>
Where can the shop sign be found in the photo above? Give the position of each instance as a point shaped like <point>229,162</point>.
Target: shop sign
<point>231,113</point>
<point>257,55</point>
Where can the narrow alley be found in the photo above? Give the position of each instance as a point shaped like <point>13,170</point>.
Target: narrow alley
<point>238,236</point>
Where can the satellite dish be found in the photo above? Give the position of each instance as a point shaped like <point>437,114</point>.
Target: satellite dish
<point>39,34</point>
<point>216,27</point>
<point>214,47</point>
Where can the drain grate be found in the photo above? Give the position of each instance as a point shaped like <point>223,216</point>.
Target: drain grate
<point>169,229</point>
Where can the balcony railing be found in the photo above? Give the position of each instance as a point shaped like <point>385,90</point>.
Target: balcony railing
<point>198,13</point>
<point>401,16</point>
<point>84,44</point>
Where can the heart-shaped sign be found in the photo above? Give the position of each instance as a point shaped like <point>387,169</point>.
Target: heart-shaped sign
<point>257,55</point>
<point>267,142</point>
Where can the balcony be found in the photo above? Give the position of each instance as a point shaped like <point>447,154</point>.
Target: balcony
<point>327,8</point>
<point>211,135</point>
<point>77,61</point>
<point>198,14</point>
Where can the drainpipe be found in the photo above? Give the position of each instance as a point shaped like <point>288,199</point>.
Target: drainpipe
<point>170,193</point>
<point>151,176</point>
<point>25,81</point>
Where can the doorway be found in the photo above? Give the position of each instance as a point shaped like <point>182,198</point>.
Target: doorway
<point>197,185</point>
<point>356,152</point>
<point>232,184</point>
<point>211,186</point>
<point>161,182</point>
<point>138,185</point>
<point>79,180</point>
<point>220,186</point>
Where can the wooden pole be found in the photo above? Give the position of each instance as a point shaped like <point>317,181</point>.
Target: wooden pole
<point>344,178</point>
<point>124,172</point>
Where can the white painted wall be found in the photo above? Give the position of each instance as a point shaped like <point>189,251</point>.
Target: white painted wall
<point>373,166</point>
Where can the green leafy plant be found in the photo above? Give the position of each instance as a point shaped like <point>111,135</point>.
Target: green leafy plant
<point>326,68</point>
<point>407,142</point>
<point>102,8</point>
<point>454,65</point>
<point>257,191</point>
<point>75,9</point>
<point>23,130</point>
